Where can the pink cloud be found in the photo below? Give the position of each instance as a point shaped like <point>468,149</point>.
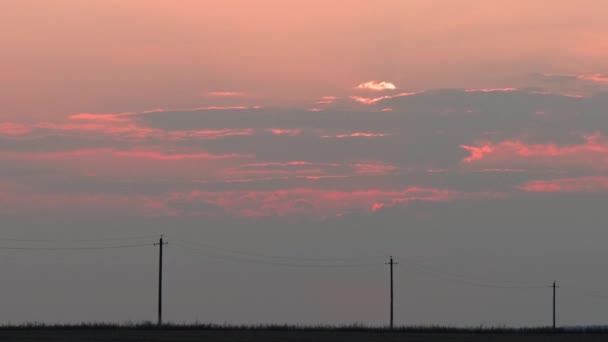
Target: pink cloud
<point>225,94</point>
<point>591,154</point>
<point>279,170</point>
<point>210,134</point>
<point>285,131</point>
<point>125,128</point>
<point>491,90</point>
<point>356,135</point>
<point>19,200</point>
<point>597,78</point>
<point>373,100</point>
<point>477,152</point>
<point>376,86</point>
<point>581,184</point>
<point>374,168</point>
<point>113,118</point>
<point>158,155</point>
<point>504,170</point>
<point>324,177</point>
<point>377,206</point>
<point>221,108</point>
<point>14,129</point>
<point>291,163</point>
<point>309,202</point>
<point>326,100</point>
<point>137,153</point>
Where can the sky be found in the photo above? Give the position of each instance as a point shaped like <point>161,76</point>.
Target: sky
<point>287,149</point>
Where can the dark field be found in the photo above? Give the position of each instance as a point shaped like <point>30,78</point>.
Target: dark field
<point>281,335</point>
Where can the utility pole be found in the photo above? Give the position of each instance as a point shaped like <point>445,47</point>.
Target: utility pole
<point>554,286</point>
<point>391,263</point>
<point>160,245</point>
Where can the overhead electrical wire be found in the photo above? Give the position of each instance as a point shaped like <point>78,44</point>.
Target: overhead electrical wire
<point>127,238</point>
<point>221,253</point>
<point>267,262</point>
<point>71,248</point>
<point>408,262</point>
<point>266,256</point>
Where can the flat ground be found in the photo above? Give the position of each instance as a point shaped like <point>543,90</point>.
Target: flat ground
<point>188,335</point>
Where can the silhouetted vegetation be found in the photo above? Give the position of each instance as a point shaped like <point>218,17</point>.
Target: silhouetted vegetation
<point>319,327</point>
<point>150,332</point>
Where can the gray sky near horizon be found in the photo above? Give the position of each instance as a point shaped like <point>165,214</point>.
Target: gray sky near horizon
<point>286,153</point>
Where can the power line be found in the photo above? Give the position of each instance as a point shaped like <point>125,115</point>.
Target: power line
<point>71,248</point>
<point>266,256</point>
<point>78,240</point>
<point>495,284</point>
<point>505,283</point>
<point>266,262</point>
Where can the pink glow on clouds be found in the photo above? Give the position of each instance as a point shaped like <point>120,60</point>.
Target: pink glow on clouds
<point>113,118</point>
<point>118,126</point>
<point>437,170</point>
<point>373,100</point>
<point>137,154</point>
<point>308,202</point>
<point>158,155</point>
<point>327,100</point>
<point>222,108</point>
<point>210,134</point>
<point>19,201</point>
<point>477,152</point>
<point>491,90</point>
<point>285,131</point>
<point>291,163</point>
<point>376,86</point>
<point>356,135</point>
<point>280,170</point>
<point>225,94</point>
<point>374,168</point>
<point>324,177</point>
<point>109,127</point>
<point>592,153</point>
<point>504,170</point>
<point>564,94</point>
<point>202,108</point>
<point>581,184</point>
<point>14,129</point>
<point>598,78</point>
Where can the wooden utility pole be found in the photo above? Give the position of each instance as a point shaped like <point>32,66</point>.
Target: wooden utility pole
<point>391,263</point>
<point>554,286</point>
<point>160,245</point>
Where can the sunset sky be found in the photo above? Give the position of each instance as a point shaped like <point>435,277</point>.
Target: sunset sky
<point>467,138</point>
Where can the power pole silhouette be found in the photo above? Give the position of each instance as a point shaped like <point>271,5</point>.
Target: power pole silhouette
<point>160,245</point>
<point>391,263</point>
<point>554,286</point>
